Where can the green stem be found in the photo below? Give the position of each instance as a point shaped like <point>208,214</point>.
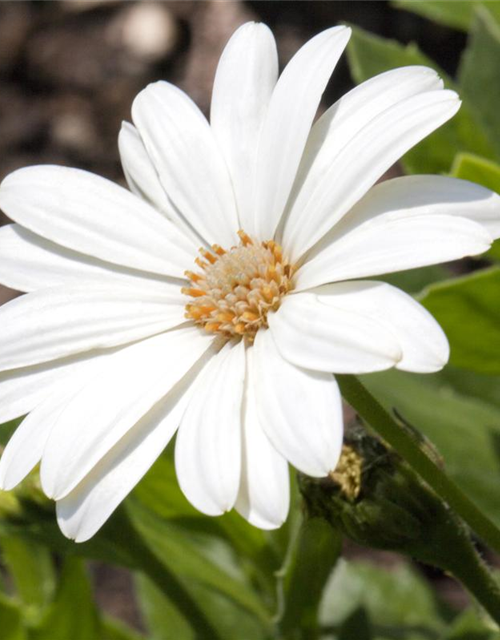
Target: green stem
<point>402,442</point>
<point>470,570</point>
<point>145,560</point>
<point>315,553</point>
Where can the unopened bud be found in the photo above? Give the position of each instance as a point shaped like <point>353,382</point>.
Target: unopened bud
<point>377,500</point>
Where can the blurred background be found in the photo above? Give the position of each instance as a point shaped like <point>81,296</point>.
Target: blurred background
<point>70,70</point>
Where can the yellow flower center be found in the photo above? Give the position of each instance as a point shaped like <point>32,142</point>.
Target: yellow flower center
<point>236,289</point>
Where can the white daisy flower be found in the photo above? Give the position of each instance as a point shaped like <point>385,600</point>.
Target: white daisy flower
<point>125,335</point>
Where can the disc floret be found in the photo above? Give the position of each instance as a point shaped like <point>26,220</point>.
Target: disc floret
<point>236,289</point>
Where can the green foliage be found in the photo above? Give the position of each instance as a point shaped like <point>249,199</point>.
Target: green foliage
<point>467,166</point>
<point>465,430</point>
<point>72,613</point>
<point>161,617</point>
<point>196,558</point>
<point>363,601</point>
<point>11,621</point>
<point>479,75</point>
<point>458,14</point>
<point>468,309</point>
<point>31,568</point>
<point>469,627</point>
<point>397,597</point>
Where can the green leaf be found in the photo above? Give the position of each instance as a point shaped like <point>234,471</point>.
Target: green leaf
<point>356,625</point>
<point>468,166</point>
<point>113,629</point>
<point>476,169</point>
<point>164,622</point>
<point>186,557</point>
<point>160,616</point>
<point>369,55</point>
<point>479,75</point>
<point>458,14</point>
<point>11,623</point>
<point>468,309</point>
<point>73,613</point>
<point>399,598</point>
<point>414,280</point>
<point>466,431</point>
<point>469,626</point>
<point>470,384</point>
<point>31,567</point>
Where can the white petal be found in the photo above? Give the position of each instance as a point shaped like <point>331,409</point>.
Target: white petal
<point>143,179</point>
<point>55,323</point>
<point>139,170</point>
<point>300,410</point>
<point>343,120</point>
<point>423,342</point>
<point>187,158</point>
<point>92,215</point>
<point>208,445</point>
<point>244,82</point>
<point>29,262</point>
<point>427,195</point>
<point>83,511</point>
<point>324,337</point>
<point>24,389</point>
<point>361,163</point>
<point>130,384</point>
<point>264,494</point>
<point>392,242</point>
<point>291,112</point>
<point>25,447</point>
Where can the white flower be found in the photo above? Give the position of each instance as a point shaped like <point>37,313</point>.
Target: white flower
<point>112,349</point>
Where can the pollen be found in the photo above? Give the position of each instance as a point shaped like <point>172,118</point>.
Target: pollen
<point>235,290</point>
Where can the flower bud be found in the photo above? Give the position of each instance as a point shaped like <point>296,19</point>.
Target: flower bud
<point>377,500</point>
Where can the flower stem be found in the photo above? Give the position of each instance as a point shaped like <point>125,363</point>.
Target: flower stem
<point>467,567</point>
<point>316,550</point>
<point>409,449</point>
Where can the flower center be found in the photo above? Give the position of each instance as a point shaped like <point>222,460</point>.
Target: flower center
<point>236,289</point>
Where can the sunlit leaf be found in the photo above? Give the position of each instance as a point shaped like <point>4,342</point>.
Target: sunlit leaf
<point>452,13</point>
<point>468,166</point>
<point>479,75</point>
<point>468,309</point>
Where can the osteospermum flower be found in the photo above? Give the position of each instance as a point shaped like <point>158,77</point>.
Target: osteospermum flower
<point>129,332</point>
